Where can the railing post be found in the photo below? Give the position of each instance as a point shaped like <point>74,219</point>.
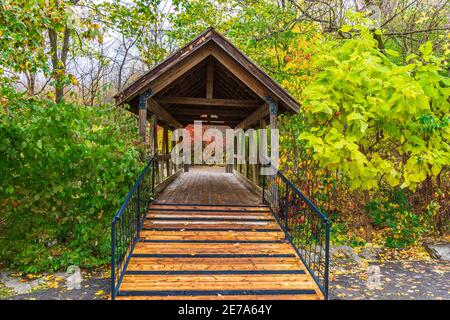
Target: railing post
<point>285,209</point>
<point>327,258</point>
<point>263,189</point>
<point>113,263</point>
<point>138,207</point>
<point>125,235</point>
<point>153,175</point>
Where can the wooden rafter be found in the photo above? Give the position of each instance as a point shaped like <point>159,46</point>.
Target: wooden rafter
<point>193,111</point>
<point>155,108</point>
<point>208,102</point>
<point>210,43</point>
<point>261,113</point>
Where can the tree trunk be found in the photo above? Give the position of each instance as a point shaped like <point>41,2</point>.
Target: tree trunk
<point>59,61</point>
<point>31,83</point>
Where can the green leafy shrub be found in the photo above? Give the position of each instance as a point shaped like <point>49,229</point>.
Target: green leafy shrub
<point>378,122</point>
<point>340,235</point>
<point>436,217</point>
<point>65,169</point>
<point>402,226</point>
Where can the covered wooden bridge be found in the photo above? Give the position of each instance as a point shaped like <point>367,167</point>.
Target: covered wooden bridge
<point>213,232</point>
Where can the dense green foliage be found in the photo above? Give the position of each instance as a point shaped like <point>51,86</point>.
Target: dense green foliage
<point>402,226</point>
<point>370,147</point>
<point>374,128</point>
<point>376,121</point>
<point>65,170</point>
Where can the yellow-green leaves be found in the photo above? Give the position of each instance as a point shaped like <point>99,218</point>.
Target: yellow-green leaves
<point>426,49</point>
<point>346,28</point>
<point>360,119</point>
<point>377,121</point>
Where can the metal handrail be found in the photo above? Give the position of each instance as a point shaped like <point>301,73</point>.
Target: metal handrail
<point>128,221</point>
<point>305,226</point>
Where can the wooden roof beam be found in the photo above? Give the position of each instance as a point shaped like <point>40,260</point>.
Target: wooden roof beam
<point>195,118</point>
<point>208,102</point>
<point>261,113</point>
<point>240,72</point>
<point>194,111</point>
<point>161,113</point>
<point>213,122</point>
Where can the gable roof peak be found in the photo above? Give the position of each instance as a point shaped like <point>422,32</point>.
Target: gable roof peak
<point>210,34</point>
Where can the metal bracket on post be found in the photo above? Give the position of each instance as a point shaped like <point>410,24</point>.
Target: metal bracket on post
<point>273,105</point>
<point>144,97</point>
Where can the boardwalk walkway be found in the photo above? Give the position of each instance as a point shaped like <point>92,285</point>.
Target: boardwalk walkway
<point>208,237</point>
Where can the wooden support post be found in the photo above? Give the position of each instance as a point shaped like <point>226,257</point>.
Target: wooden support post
<point>157,151</point>
<point>245,173</point>
<point>143,98</point>
<point>240,166</point>
<point>154,143</point>
<point>143,113</point>
<point>262,125</point>
<point>273,112</point>
<point>142,123</point>
<point>152,126</point>
<point>172,146</point>
<point>255,165</point>
<point>155,133</point>
<point>165,148</point>
<point>255,173</point>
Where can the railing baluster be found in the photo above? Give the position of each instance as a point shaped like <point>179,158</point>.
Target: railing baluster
<point>263,189</point>
<point>306,227</point>
<point>285,208</point>
<point>327,257</point>
<point>126,225</point>
<point>138,211</point>
<point>113,261</point>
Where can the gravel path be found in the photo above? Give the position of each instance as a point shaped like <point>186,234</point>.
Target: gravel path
<point>389,280</point>
<point>396,280</point>
<point>95,286</point>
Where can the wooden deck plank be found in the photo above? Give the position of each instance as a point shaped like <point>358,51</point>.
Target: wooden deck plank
<point>217,212</point>
<point>208,237</point>
<point>212,235</point>
<point>206,187</point>
<point>155,207</point>
<point>227,297</point>
<point>207,215</point>
<point>162,284</point>
<point>200,248</point>
<point>274,280</point>
<point>228,225</point>
<point>168,264</point>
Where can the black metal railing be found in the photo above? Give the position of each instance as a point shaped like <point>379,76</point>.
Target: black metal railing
<point>305,226</point>
<point>128,222</point>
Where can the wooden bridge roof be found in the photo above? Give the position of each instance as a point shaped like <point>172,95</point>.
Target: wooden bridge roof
<point>209,79</point>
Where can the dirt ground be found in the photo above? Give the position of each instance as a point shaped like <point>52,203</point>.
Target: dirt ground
<point>388,276</point>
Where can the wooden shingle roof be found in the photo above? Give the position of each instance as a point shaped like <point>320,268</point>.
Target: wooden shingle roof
<point>236,76</point>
